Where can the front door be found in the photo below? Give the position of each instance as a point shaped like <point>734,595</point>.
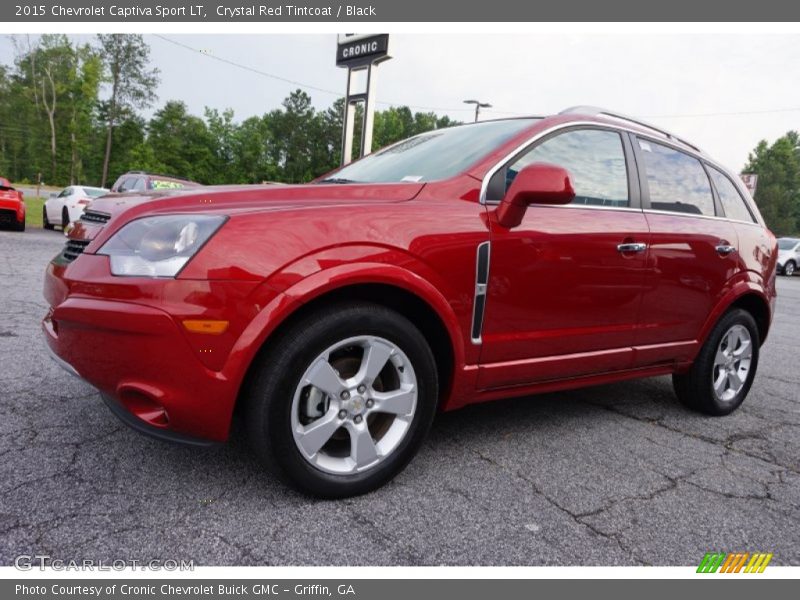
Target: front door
<point>565,286</point>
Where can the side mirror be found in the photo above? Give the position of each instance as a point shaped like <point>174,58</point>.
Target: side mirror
<point>538,183</point>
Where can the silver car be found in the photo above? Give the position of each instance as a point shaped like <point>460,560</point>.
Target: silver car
<point>788,255</point>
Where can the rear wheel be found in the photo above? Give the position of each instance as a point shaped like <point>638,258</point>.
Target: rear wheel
<point>45,221</point>
<point>343,400</point>
<point>20,226</point>
<point>64,219</point>
<point>723,372</point>
<point>789,269</point>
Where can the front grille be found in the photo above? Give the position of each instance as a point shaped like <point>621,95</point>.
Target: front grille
<point>74,249</point>
<point>93,216</point>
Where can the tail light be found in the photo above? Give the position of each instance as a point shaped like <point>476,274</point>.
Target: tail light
<point>84,201</point>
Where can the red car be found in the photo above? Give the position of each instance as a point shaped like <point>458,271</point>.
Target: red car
<point>12,206</point>
<point>483,261</point>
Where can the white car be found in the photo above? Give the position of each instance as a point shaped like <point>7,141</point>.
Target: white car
<point>66,207</point>
<point>788,255</point>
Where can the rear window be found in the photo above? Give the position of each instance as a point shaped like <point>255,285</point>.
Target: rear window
<point>732,202</point>
<point>787,244</point>
<point>94,192</point>
<point>677,181</point>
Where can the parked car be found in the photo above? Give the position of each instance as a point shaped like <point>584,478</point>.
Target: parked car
<point>483,261</point>
<point>68,205</point>
<point>788,255</point>
<point>139,181</point>
<point>12,206</point>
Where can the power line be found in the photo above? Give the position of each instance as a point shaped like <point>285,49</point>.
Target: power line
<point>725,114</point>
<point>298,83</point>
<point>684,116</point>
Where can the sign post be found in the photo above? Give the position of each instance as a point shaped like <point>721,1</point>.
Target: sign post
<point>360,53</point>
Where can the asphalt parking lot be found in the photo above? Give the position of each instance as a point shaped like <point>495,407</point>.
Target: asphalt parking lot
<point>612,475</point>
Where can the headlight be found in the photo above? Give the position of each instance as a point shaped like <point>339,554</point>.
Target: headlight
<point>159,246</point>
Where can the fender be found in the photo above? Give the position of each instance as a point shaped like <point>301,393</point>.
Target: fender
<point>287,302</point>
<point>748,282</point>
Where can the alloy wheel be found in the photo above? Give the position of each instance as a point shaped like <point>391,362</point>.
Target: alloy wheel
<point>354,405</point>
<point>732,363</point>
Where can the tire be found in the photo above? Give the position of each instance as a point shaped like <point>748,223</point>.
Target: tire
<point>277,403</point>
<point>789,268</point>
<point>64,219</point>
<point>46,224</point>
<point>705,387</point>
<point>20,226</point>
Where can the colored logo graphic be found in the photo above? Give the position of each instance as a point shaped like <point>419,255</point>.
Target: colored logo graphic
<point>734,562</point>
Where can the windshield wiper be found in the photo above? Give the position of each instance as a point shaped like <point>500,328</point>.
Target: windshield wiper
<point>337,180</point>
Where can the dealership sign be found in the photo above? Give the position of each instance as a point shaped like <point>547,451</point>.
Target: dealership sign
<point>354,50</point>
<point>750,182</point>
<point>360,54</point>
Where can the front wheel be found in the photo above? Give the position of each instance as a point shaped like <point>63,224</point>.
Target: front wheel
<point>723,371</point>
<point>343,399</point>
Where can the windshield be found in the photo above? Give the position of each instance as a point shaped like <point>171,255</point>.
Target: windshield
<point>787,244</point>
<point>431,156</point>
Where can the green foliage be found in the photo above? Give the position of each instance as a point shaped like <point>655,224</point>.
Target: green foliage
<point>132,82</point>
<point>778,190</point>
<point>97,139</point>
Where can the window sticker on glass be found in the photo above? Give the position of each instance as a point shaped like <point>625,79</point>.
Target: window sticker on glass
<point>159,184</point>
<point>412,178</point>
<point>645,146</point>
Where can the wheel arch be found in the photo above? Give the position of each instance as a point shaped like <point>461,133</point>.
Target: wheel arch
<point>387,285</point>
<point>758,307</point>
<point>747,296</point>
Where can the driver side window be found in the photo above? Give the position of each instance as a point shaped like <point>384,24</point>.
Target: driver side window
<point>595,160</point>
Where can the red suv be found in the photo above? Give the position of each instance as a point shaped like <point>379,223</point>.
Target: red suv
<point>462,265</point>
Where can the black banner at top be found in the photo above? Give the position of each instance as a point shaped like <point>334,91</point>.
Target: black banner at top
<point>116,11</point>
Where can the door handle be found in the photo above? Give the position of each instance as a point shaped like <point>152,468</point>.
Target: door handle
<point>632,247</point>
<point>725,249</point>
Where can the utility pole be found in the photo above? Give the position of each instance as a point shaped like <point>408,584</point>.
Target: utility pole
<point>478,106</point>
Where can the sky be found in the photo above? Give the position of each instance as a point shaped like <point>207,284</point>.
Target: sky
<point>723,92</point>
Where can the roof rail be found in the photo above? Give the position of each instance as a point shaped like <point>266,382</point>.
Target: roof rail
<point>596,110</point>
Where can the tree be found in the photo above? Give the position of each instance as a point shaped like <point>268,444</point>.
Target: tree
<point>132,83</point>
<point>52,68</point>
<point>82,91</point>
<point>181,144</point>
<point>778,191</point>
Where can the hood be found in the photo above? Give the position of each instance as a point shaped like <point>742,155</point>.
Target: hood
<point>248,198</point>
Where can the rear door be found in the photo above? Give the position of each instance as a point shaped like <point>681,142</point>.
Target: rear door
<point>565,286</point>
<point>693,252</point>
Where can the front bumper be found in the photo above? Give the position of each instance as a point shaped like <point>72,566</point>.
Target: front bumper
<point>131,420</point>
<point>155,376</point>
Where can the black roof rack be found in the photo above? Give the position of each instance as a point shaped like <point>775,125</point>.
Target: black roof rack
<point>596,110</point>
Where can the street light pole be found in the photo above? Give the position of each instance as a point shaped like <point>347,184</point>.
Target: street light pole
<point>478,106</point>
